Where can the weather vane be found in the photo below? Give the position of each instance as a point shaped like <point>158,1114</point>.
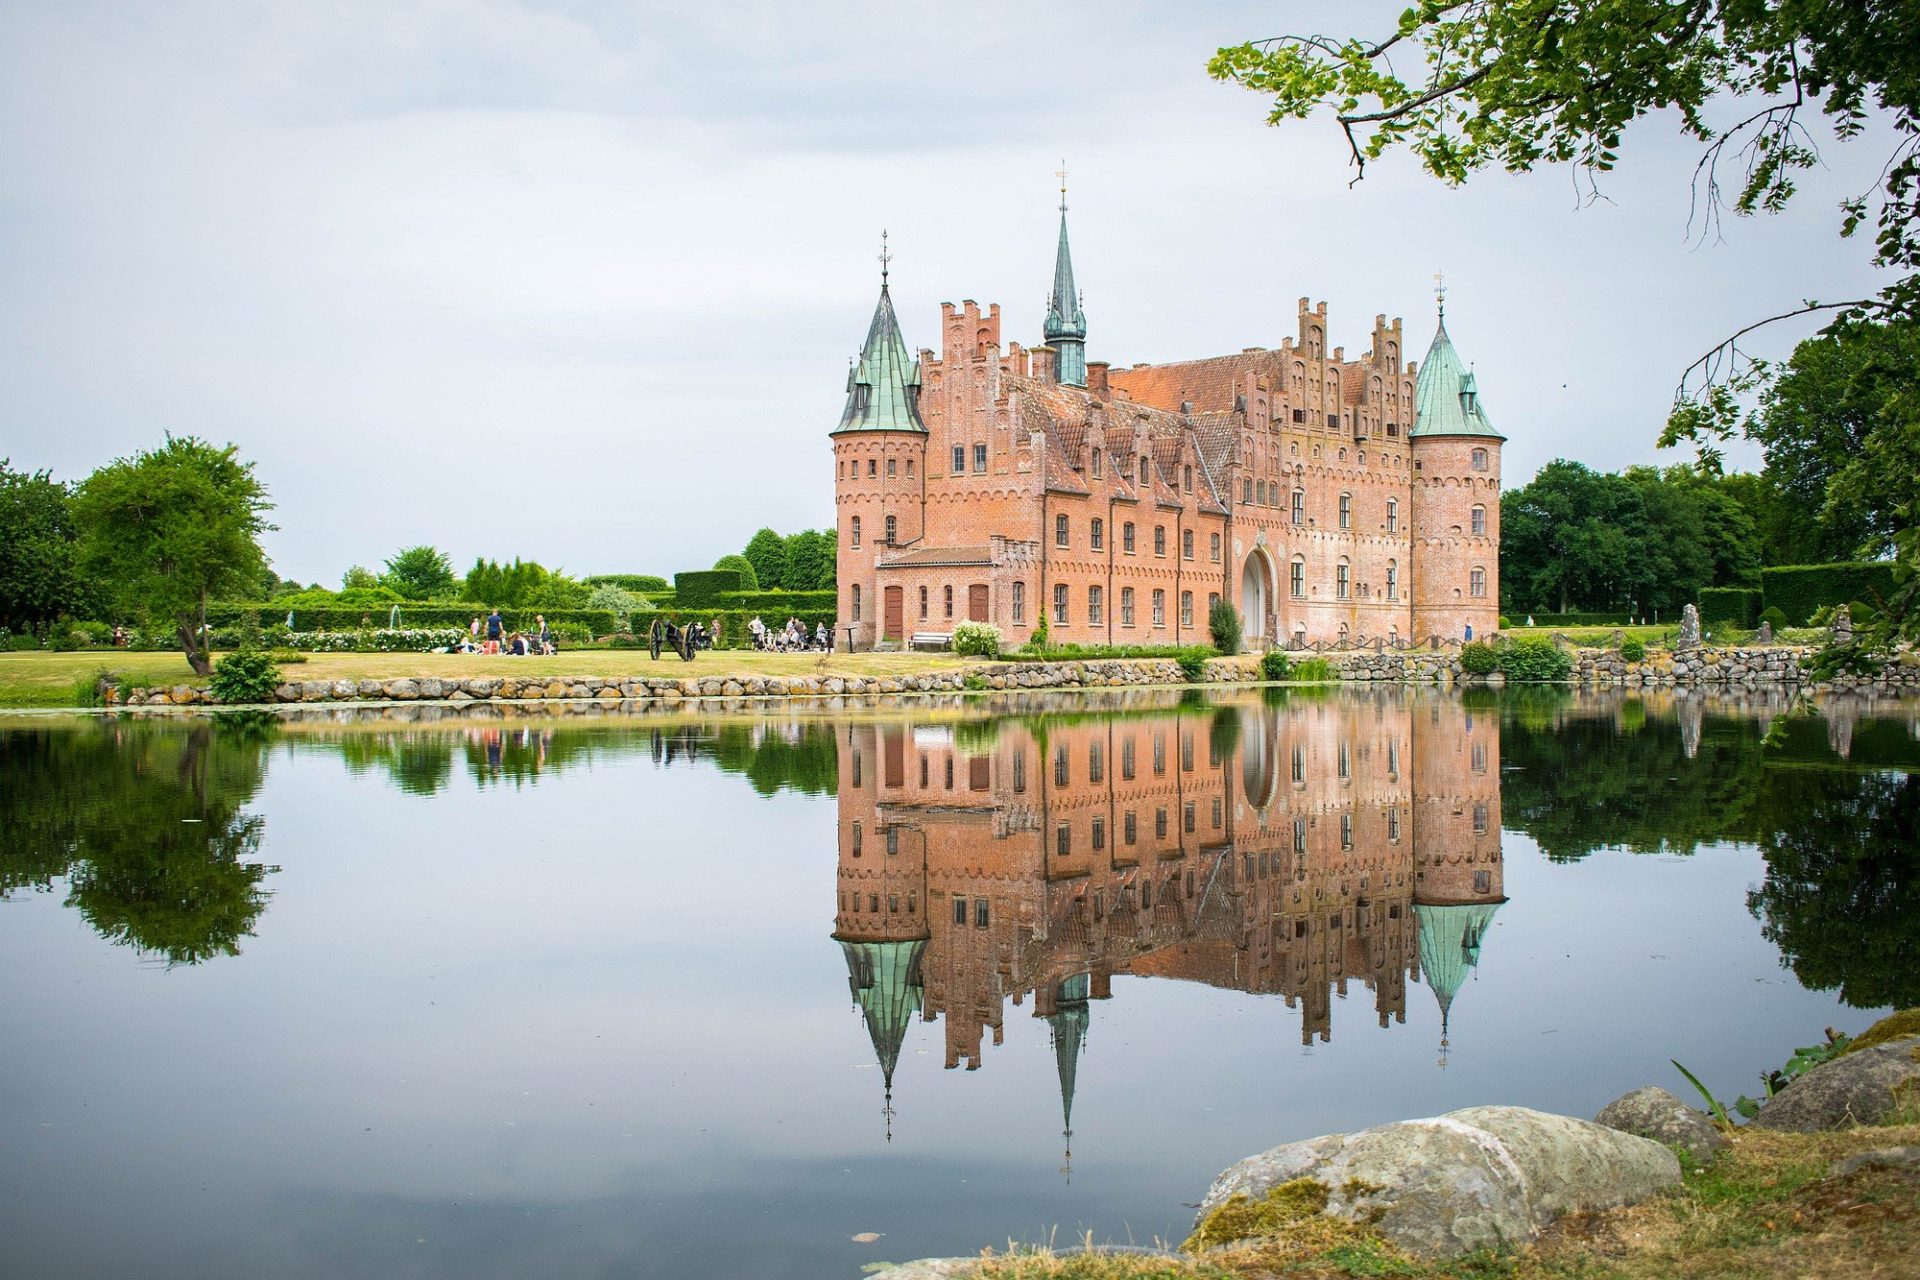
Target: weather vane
<point>1061,173</point>
<point>1440,290</point>
<point>886,258</point>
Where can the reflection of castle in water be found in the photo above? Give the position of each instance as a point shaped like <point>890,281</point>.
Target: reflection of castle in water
<point>1277,851</point>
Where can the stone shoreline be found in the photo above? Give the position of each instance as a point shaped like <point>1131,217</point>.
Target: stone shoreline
<point>1779,666</point>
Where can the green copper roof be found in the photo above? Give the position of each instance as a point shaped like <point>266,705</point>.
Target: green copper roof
<point>1069,1020</point>
<point>1066,327</point>
<point>1450,945</point>
<point>1446,399</point>
<point>883,389</point>
<point>885,977</point>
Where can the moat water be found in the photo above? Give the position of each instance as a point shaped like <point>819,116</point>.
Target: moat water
<point>712,997</point>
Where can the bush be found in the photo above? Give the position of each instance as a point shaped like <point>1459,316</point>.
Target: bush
<point>700,588</point>
<point>1774,618</point>
<point>749,578</point>
<point>641,584</point>
<point>617,601</point>
<point>1193,663</point>
<point>1533,658</point>
<point>1274,665</point>
<point>247,676</point>
<point>1223,623</point>
<point>1504,624</point>
<point>1315,671</point>
<point>781,603</point>
<point>1738,605</point>
<point>977,640</point>
<point>1633,649</point>
<point>440,615</point>
<point>1798,590</point>
<point>1479,659</point>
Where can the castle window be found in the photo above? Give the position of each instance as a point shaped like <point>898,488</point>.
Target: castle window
<point>1479,755</point>
<point>1479,522</point>
<point>1342,580</point>
<point>1483,882</point>
<point>893,528</point>
<point>1160,540</point>
<point>1096,762</point>
<point>1096,463</point>
<point>1393,581</point>
<point>1393,825</point>
<point>1059,531</point>
<point>1146,468</point>
<point>1297,765</point>
<point>1097,533</point>
<point>947,601</point>
<point>1219,811</point>
<point>1126,774</point>
<point>1480,819</point>
<point>1095,612</point>
<point>856,602</point>
<point>1019,602</point>
<point>1247,492</point>
<point>1126,537</point>
<point>923,606</point>
<point>1019,772</point>
<point>979,457</point>
<point>1346,831</point>
<point>1099,834</point>
<point>1186,608</point>
<point>1213,598</point>
<point>1130,827</point>
<point>893,840</point>
<point>857,835</point>
<point>979,913</point>
<point>1299,506</point>
<point>1060,774</point>
<point>1159,607</point>
<point>1346,511</point>
<point>1260,492</point>
<point>1297,577</point>
<point>856,531</point>
<point>1344,767</point>
<point>1186,479</point>
<point>1126,606</point>
<point>959,909</point>
<point>1186,544</point>
<point>1213,547</point>
<point>1479,459</point>
<point>959,458</point>
<point>1299,835</point>
<point>1159,833</point>
<point>1393,515</point>
<point>1160,756</point>
<point>1186,752</point>
<point>1393,759</point>
<point>1477,582</point>
<point>873,466</point>
<point>909,476</point>
<point>892,468</point>
<point>1060,602</point>
<point>1186,819</point>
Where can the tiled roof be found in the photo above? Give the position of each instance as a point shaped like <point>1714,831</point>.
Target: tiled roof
<point>921,557</point>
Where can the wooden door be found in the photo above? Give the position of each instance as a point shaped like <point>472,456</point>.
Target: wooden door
<point>896,606</point>
<point>977,602</point>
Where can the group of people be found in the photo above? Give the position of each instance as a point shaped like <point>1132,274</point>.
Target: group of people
<point>490,635</point>
<point>792,638</point>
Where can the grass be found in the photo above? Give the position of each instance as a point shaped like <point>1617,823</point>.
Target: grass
<point>55,679</point>
<point>1767,1208</point>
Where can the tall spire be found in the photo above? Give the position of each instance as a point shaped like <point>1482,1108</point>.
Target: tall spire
<point>1066,327</point>
<point>883,387</point>
<point>1446,398</point>
<point>885,979</point>
<point>1069,1022</point>
<point>1450,938</point>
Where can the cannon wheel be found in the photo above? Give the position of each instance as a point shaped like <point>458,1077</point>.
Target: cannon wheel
<point>686,643</point>
<point>653,639</point>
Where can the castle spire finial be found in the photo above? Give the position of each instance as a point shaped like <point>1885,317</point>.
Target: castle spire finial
<point>1440,292</point>
<point>1066,326</point>
<point>1061,173</point>
<point>886,258</point>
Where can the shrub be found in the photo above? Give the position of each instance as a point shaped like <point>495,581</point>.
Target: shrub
<point>247,676</point>
<point>1193,663</point>
<point>1315,671</point>
<point>1479,659</point>
<point>749,578</point>
<point>698,589</point>
<point>977,640</point>
<point>617,601</point>
<point>974,683</point>
<point>1774,618</point>
<point>1633,649</point>
<point>1040,633</point>
<point>1223,623</point>
<point>1533,658</point>
<point>1738,605</point>
<point>781,603</point>
<point>1274,665</point>
<point>1799,589</point>
<point>641,584</point>
<point>1504,624</point>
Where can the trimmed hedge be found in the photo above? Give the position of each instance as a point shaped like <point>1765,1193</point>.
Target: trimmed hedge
<point>781,602</point>
<point>645,584</point>
<point>702,588</point>
<point>418,617</point>
<point>1738,605</point>
<point>1798,589</point>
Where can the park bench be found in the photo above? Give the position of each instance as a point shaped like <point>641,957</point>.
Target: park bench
<point>930,640</point>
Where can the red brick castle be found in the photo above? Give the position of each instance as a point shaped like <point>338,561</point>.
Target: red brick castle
<point>1323,497</point>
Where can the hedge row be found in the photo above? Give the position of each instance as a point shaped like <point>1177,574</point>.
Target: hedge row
<point>1738,605</point>
<point>645,584</point>
<point>1799,589</point>
<point>701,588</point>
<point>780,602</point>
<point>417,617</point>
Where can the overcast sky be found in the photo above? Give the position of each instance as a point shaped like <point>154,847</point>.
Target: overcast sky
<point>579,281</point>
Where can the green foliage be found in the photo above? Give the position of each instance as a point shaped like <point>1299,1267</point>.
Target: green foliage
<point>617,602</point>
<point>641,584</point>
<point>1223,625</point>
<point>810,561</point>
<point>166,531</point>
<point>421,573</point>
<point>974,683</point>
<point>739,564</point>
<point>1274,665</point>
<point>1804,1059</point>
<point>1798,590</point>
<point>1479,659</point>
<point>1718,1111</point>
<point>772,603</point>
<point>701,588</point>
<point>1533,658</point>
<point>1776,618</point>
<point>1738,605</point>
<point>977,640</point>
<point>523,585</point>
<point>358,578</point>
<point>246,676</point>
<point>1633,649</point>
<point>39,568</point>
<point>767,553</point>
<point>1092,652</point>
<point>1192,660</point>
<point>1315,671</point>
<point>1038,641</point>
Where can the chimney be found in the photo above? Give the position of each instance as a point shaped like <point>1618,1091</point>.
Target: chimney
<point>1097,379</point>
<point>1043,364</point>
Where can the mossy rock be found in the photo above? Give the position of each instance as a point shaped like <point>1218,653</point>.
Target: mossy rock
<point>1906,1022</point>
<point>1244,1218</point>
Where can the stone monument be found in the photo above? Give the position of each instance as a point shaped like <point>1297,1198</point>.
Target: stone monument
<point>1689,629</point>
<point>1842,627</point>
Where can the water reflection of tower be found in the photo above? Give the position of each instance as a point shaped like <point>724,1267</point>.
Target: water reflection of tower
<point>1458,878</point>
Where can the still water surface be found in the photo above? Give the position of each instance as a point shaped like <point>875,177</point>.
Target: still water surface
<point>708,998</point>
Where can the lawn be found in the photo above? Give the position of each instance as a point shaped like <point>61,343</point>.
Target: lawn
<point>54,679</point>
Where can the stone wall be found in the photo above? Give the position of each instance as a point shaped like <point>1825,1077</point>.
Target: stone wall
<point>1710,665</point>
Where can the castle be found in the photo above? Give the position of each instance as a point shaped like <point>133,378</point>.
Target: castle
<point>1282,852</point>
<point>1326,499</point>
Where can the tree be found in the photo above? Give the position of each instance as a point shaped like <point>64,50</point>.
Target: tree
<point>420,573</point>
<point>39,574</point>
<point>1526,82</point>
<point>523,584</point>
<point>810,560</point>
<point>767,552</point>
<point>358,578</point>
<point>749,581</point>
<point>165,531</point>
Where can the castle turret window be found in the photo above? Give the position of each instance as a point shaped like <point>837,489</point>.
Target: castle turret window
<point>1479,522</point>
<point>1297,577</point>
<point>873,466</point>
<point>1393,515</point>
<point>1346,511</point>
<point>1479,459</point>
<point>892,468</point>
<point>1477,582</point>
<point>855,529</point>
<point>1342,580</point>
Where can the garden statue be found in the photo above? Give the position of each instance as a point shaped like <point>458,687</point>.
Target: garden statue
<point>1765,634</point>
<point>1689,629</point>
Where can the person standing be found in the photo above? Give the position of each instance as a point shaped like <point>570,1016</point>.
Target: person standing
<point>546,637</point>
<point>495,628</point>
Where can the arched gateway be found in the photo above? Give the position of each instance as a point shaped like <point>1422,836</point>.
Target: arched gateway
<point>1256,596</point>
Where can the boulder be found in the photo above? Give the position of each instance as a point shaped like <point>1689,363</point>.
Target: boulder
<point>1880,1158</point>
<point>1479,1178</point>
<point>1862,1087</point>
<point>1654,1113</point>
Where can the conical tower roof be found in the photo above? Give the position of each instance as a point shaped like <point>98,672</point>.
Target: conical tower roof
<point>1446,398</point>
<point>885,978</point>
<point>1450,939</point>
<point>883,388</point>
<point>1069,1021</point>
<point>1064,317</point>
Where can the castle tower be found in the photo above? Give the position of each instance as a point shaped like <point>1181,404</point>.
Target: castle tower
<point>1456,499</point>
<point>879,457</point>
<point>1066,327</point>
<point>1069,1026</point>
